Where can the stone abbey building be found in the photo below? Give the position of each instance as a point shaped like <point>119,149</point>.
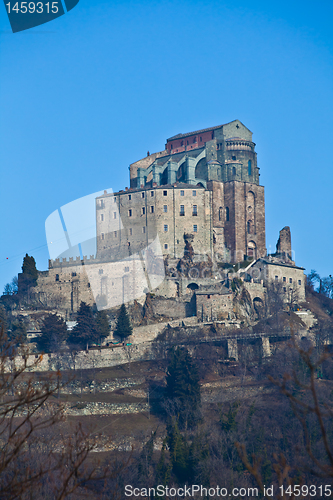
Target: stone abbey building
<point>199,197</point>
<point>205,183</point>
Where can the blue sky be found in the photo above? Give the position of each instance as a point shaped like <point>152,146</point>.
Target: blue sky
<point>90,92</point>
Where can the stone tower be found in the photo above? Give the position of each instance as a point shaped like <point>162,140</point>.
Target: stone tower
<point>204,182</point>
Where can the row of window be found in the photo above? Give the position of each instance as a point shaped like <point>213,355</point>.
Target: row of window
<point>165,193</point>
<point>152,210</point>
<point>284,279</point>
<point>165,228</point>
<point>195,140</point>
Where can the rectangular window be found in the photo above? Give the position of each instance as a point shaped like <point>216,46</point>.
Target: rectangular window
<point>165,193</point>
<point>115,234</point>
<point>114,215</point>
<point>114,200</point>
<point>165,246</point>
<point>195,228</point>
<point>151,193</point>
<point>102,235</point>
<point>182,193</point>
<point>130,213</point>
<point>102,217</point>
<point>276,278</point>
<point>129,197</point>
<point>73,274</point>
<point>165,208</point>
<point>194,193</point>
<point>126,269</point>
<point>284,279</point>
<point>131,231</point>
<point>182,210</point>
<point>142,195</point>
<point>143,230</point>
<point>100,271</point>
<point>299,282</point>
<point>290,280</point>
<point>195,210</point>
<point>284,289</point>
<point>165,228</point>
<point>152,209</point>
<point>143,210</point>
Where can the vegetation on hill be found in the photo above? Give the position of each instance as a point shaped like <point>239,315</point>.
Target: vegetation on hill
<point>124,328</point>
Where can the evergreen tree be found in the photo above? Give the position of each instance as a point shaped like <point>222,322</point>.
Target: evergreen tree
<point>3,319</point>
<point>54,332</point>
<point>29,274</point>
<point>85,331</point>
<point>124,327</point>
<point>183,385</point>
<point>102,324</point>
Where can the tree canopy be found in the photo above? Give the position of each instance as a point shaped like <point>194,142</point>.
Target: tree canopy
<point>124,327</point>
<point>29,273</point>
<point>54,332</point>
<point>85,331</point>
<point>183,385</point>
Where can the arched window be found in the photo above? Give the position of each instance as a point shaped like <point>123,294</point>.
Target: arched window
<point>220,213</point>
<point>227,214</point>
<point>194,140</point>
<point>252,250</point>
<point>249,167</point>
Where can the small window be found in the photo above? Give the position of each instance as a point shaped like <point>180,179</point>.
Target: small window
<point>227,214</point>
<point>151,193</point>
<point>182,210</point>
<point>284,289</point>
<point>143,230</point>
<point>100,271</point>
<point>126,269</point>
<point>143,210</point>
<point>249,166</point>
<point>102,217</point>
<point>171,146</point>
<point>152,209</point>
<point>233,158</point>
<point>276,278</point>
<point>102,236</point>
<point>187,143</point>
<point>165,208</point>
<point>299,282</point>
<point>130,213</point>
<point>290,280</point>
<point>194,193</point>
<point>220,213</point>
<point>195,228</point>
<point>234,171</point>
<point>194,140</point>
<point>129,197</point>
<point>249,227</point>
<point>73,275</point>
<point>177,242</point>
<point>114,215</point>
<point>182,143</point>
<point>130,231</point>
<point>88,285</point>
<point>114,200</point>
<point>165,246</point>
<point>181,193</point>
<point>195,210</point>
<point>57,277</point>
<point>208,296</point>
<point>142,195</point>
<point>115,234</point>
<point>165,228</point>
<point>284,279</point>
<point>200,139</point>
<point>165,193</point>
